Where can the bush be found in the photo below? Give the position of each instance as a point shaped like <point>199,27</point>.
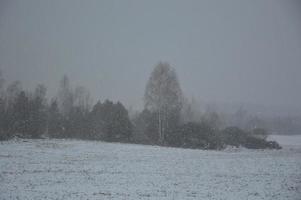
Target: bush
<point>259,143</point>
<point>255,140</point>
<point>255,143</point>
<point>4,136</point>
<point>199,135</point>
<point>234,136</point>
<point>273,145</point>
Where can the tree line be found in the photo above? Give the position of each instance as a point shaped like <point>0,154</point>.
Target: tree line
<point>166,119</point>
<point>28,114</point>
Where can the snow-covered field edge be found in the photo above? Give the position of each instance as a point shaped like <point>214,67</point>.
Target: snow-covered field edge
<point>75,169</point>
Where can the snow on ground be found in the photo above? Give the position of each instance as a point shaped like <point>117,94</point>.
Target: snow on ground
<point>71,169</point>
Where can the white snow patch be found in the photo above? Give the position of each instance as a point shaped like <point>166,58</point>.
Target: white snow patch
<point>71,169</point>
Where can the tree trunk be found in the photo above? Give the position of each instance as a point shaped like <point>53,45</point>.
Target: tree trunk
<point>160,127</point>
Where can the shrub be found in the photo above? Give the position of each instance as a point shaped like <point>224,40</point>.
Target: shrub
<point>200,135</point>
<point>255,143</point>
<point>259,143</point>
<point>273,145</point>
<point>255,140</point>
<point>234,136</point>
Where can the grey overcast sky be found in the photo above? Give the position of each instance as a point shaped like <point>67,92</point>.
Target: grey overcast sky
<point>223,51</point>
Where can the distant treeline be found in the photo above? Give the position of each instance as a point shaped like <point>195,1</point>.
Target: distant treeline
<point>69,115</point>
<point>167,119</point>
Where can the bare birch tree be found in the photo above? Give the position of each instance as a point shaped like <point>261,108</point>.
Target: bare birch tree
<point>163,96</point>
<point>65,96</point>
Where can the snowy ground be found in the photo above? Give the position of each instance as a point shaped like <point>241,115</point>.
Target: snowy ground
<point>70,169</point>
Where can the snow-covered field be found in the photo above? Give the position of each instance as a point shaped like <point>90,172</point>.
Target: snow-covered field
<point>71,169</point>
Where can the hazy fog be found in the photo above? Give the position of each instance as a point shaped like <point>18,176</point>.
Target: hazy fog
<point>223,51</point>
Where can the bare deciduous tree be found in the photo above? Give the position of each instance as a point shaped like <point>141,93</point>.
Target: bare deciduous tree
<point>65,96</point>
<point>163,96</point>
